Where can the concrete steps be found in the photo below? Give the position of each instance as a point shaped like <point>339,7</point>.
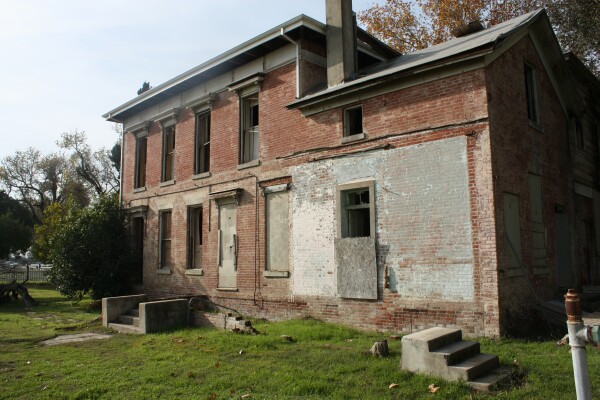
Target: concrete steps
<point>127,323</point>
<point>442,352</point>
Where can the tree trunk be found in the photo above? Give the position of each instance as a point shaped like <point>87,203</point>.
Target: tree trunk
<point>15,290</point>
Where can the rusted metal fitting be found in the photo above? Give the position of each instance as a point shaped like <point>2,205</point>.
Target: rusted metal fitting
<point>573,306</point>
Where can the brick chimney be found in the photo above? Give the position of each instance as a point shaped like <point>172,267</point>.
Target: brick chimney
<point>341,41</point>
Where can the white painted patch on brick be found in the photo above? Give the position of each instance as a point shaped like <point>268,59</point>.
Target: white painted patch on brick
<point>422,219</point>
<point>313,222</point>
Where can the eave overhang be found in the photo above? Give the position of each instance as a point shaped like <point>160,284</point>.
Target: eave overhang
<point>239,55</point>
<point>471,56</point>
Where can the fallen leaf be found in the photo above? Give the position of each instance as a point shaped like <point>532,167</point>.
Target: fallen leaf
<point>432,388</point>
<point>217,365</point>
<point>246,396</point>
<point>190,374</point>
<point>393,386</point>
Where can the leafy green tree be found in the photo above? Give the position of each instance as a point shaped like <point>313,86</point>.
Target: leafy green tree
<point>16,226</point>
<point>89,249</point>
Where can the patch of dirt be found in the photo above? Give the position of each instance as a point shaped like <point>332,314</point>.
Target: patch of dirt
<point>80,337</point>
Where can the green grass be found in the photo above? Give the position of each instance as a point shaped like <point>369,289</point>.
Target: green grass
<point>323,361</point>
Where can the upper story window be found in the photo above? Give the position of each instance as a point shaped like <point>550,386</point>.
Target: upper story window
<point>249,128</point>
<point>168,156</point>
<point>353,121</point>
<point>532,95</point>
<point>202,150</point>
<point>247,90</point>
<point>141,143</point>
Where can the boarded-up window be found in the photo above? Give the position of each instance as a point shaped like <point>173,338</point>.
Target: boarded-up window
<point>512,229</point>
<point>168,153</point>
<point>140,161</point>
<point>165,256</point>
<point>538,230</point>
<point>278,230</point>
<point>195,237</point>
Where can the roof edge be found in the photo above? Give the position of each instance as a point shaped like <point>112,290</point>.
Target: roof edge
<point>300,20</point>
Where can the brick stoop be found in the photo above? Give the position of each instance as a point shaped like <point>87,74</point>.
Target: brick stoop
<point>442,352</point>
<point>127,323</point>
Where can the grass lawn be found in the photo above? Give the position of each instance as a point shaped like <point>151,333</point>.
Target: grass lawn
<point>323,361</point>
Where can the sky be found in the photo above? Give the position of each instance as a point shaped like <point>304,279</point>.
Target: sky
<point>64,63</point>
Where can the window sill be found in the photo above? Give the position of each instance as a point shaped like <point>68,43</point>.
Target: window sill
<point>353,138</point>
<point>163,271</point>
<point>513,272</point>
<point>277,274</point>
<point>140,189</point>
<point>167,183</point>
<point>536,126</point>
<point>202,175</point>
<point>541,270</point>
<point>226,289</point>
<point>249,164</point>
<point>194,271</point>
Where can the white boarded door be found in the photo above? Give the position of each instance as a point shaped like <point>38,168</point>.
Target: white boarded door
<point>227,246</point>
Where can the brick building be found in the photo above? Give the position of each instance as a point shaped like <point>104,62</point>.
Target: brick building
<point>313,171</point>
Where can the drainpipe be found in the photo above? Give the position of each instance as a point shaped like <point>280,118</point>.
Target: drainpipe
<point>121,166</point>
<point>289,39</point>
<point>579,336</point>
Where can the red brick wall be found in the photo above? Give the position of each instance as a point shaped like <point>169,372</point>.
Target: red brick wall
<point>452,106</point>
<point>519,148</point>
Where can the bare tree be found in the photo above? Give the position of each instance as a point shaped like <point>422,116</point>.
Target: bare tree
<point>94,167</point>
<point>38,181</point>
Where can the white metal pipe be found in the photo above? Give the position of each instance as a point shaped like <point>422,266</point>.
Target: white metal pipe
<point>289,39</point>
<point>577,341</point>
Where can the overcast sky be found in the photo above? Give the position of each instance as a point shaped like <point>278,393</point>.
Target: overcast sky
<point>64,63</point>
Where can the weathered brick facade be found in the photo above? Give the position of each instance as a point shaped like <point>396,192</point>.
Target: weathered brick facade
<point>441,151</point>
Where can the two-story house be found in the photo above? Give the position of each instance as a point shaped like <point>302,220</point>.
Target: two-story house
<point>314,171</point>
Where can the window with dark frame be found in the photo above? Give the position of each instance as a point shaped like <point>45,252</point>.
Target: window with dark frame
<point>140,162</point>
<point>168,153</point>
<point>194,237</point>
<point>202,151</point>
<point>531,93</point>
<point>353,121</point>
<point>356,213</point>
<point>579,134</point>
<point>166,260</point>
<point>249,129</point>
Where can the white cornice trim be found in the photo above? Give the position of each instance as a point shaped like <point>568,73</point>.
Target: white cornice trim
<point>140,129</point>
<point>167,118</point>
<point>201,103</point>
<point>247,85</point>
